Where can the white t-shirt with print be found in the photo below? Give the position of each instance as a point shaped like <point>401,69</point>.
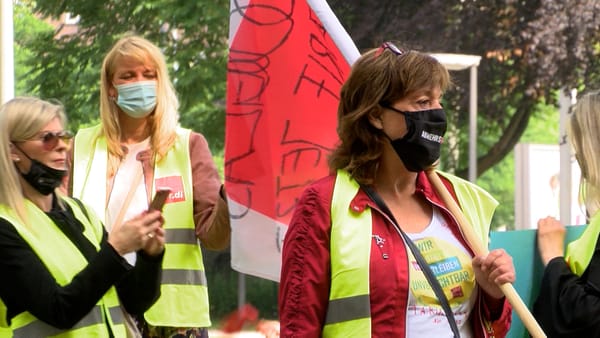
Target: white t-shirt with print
<point>450,262</point>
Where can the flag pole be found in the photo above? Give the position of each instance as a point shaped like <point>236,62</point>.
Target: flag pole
<point>480,250</point>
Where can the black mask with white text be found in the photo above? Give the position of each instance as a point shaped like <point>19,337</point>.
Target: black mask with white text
<point>421,145</point>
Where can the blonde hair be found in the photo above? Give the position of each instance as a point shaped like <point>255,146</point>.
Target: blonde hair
<point>165,119</point>
<point>21,119</point>
<point>378,78</point>
<point>583,127</point>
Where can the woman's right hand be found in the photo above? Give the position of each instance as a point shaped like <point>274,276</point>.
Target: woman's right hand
<point>141,232</point>
<point>550,239</point>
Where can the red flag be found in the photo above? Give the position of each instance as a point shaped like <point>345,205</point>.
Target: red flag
<point>284,75</point>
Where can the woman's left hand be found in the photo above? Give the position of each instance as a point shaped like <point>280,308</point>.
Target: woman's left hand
<point>493,270</point>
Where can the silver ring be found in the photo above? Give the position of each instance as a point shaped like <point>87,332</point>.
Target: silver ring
<point>150,235</point>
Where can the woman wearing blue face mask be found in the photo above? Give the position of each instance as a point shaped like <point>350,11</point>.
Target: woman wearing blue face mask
<point>139,148</point>
<point>372,250</point>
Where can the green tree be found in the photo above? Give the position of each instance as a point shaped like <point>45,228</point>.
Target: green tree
<point>529,49</point>
<point>26,26</point>
<point>499,180</point>
<point>192,35</point>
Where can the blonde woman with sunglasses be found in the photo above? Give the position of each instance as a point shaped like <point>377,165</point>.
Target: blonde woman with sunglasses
<point>63,275</point>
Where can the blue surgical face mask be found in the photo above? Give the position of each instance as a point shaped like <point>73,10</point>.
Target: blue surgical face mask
<point>137,99</point>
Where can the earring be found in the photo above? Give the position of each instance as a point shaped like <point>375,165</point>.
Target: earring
<point>18,159</point>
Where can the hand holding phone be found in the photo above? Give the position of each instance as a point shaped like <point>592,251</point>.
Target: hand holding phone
<point>159,199</point>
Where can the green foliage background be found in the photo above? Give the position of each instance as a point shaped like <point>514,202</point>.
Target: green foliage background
<point>192,35</point>
<point>500,179</point>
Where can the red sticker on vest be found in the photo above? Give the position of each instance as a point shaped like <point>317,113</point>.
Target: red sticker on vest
<point>174,183</point>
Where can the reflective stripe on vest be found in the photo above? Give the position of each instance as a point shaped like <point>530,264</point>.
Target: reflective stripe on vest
<point>579,252</point>
<point>348,312</point>
<point>349,308</point>
<point>37,328</point>
<point>184,295</point>
<point>63,260</point>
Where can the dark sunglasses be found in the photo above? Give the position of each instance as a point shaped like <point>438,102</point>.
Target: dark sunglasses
<point>389,46</point>
<point>50,139</point>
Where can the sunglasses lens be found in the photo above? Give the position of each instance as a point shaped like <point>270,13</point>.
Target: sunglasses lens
<point>65,136</point>
<point>50,139</point>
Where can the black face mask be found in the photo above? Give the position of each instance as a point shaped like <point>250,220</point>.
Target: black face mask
<point>421,145</point>
<point>43,178</point>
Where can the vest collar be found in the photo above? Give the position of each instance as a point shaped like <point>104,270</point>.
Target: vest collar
<point>361,200</point>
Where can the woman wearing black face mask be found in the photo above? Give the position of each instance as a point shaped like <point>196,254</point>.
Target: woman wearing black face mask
<point>62,274</point>
<point>362,241</point>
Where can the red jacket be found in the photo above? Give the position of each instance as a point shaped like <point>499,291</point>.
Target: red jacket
<point>306,270</point>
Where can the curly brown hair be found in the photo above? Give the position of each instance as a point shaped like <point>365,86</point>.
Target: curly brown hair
<point>380,77</point>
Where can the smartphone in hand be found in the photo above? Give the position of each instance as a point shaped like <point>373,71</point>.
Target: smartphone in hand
<point>159,199</point>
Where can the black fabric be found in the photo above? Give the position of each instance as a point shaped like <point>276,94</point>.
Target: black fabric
<point>82,207</point>
<point>41,177</point>
<point>435,285</point>
<point>568,306</point>
<point>73,229</point>
<point>421,145</point>
<point>27,285</point>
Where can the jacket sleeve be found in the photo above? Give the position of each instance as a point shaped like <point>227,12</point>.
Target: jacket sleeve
<point>568,305</point>
<point>140,288</point>
<point>493,318</point>
<point>211,215</point>
<point>305,271</point>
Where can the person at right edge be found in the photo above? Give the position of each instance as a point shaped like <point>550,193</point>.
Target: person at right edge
<point>346,269</point>
<point>568,303</point>
<point>139,148</point>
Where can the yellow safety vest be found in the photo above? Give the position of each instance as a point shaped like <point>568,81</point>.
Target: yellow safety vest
<point>349,308</point>
<point>184,294</point>
<point>62,258</point>
<point>579,252</point>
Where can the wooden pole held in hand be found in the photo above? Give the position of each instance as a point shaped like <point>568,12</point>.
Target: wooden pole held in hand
<point>480,250</point>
